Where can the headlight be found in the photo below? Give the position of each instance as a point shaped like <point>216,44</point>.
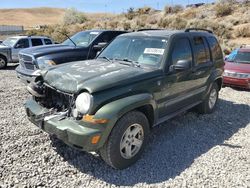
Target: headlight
<point>236,74</point>
<point>83,102</point>
<point>44,63</point>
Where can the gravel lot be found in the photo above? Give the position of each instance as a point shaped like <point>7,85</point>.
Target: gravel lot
<point>189,151</point>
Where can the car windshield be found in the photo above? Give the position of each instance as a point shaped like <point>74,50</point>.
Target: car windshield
<point>147,51</point>
<point>10,42</point>
<point>82,38</point>
<point>243,57</point>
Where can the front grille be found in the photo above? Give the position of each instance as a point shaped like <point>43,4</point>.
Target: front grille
<point>56,100</point>
<point>26,61</point>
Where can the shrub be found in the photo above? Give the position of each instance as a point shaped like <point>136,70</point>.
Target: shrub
<point>126,26</point>
<point>140,24</point>
<point>113,24</point>
<point>178,23</point>
<point>144,10</point>
<point>130,13</point>
<point>72,16</point>
<point>223,9</point>
<point>164,22</point>
<point>242,31</point>
<point>172,9</point>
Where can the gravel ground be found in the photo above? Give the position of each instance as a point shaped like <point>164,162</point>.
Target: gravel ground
<point>191,150</point>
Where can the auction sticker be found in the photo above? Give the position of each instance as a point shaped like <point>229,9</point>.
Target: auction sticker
<point>155,51</point>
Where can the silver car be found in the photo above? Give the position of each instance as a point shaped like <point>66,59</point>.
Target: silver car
<point>10,47</point>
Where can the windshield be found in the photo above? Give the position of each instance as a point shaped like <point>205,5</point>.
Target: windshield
<point>146,51</point>
<point>10,42</point>
<point>243,57</point>
<point>81,38</point>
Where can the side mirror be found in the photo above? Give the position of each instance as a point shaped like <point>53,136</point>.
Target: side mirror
<point>19,46</point>
<point>181,65</point>
<point>100,46</point>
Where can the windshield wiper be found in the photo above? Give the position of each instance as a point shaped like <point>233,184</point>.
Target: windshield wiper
<point>104,57</point>
<point>134,63</point>
<point>67,37</point>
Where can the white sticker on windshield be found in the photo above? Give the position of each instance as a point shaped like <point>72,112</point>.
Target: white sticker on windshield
<point>94,33</point>
<point>156,51</point>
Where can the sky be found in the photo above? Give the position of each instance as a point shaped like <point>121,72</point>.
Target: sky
<point>112,6</point>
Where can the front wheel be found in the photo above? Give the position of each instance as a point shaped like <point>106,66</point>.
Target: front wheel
<point>126,141</point>
<point>209,103</point>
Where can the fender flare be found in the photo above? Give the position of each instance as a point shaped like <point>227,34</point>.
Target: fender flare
<point>113,111</point>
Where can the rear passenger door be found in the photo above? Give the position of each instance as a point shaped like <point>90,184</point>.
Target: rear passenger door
<point>202,61</point>
<point>36,42</point>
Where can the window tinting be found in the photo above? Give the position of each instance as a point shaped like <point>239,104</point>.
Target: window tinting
<point>23,43</point>
<point>181,51</point>
<point>36,42</point>
<point>47,41</point>
<point>201,50</point>
<point>215,48</point>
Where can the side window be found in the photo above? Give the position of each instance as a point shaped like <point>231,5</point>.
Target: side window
<point>202,54</point>
<point>181,51</point>
<point>36,42</point>
<point>47,41</point>
<point>215,48</point>
<point>105,38</point>
<point>22,43</point>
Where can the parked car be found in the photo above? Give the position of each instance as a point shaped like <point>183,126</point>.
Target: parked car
<point>83,45</point>
<point>140,80</point>
<point>237,68</point>
<point>10,47</point>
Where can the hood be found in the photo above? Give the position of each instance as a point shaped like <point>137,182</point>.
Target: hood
<point>237,67</point>
<point>94,75</point>
<point>2,47</point>
<point>48,49</point>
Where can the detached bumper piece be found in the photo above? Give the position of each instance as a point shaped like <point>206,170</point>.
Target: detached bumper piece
<point>77,134</point>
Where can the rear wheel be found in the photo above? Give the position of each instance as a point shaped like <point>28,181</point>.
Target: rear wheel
<point>3,62</point>
<point>209,104</point>
<point>126,141</point>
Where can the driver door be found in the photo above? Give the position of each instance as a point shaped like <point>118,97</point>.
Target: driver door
<point>177,85</point>
<point>21,44</point>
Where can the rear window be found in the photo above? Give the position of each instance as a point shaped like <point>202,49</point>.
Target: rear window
<point>215,48</point>
<point>47,41</point>
<point>36,42</point>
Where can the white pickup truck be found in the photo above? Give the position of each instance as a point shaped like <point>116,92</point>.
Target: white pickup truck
<point>10,47</point>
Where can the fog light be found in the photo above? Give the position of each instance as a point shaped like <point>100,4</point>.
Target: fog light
<point>95,139</point>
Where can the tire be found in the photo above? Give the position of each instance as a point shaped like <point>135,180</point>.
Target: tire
<point>3,62</point>
<point>210,102</point>
<point>114,152</point>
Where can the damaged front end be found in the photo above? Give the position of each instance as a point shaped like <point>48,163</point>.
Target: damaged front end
<point>57,102</point>
<point>55,112</point>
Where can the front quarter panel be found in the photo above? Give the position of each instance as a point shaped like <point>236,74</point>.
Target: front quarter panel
<point>116,109</point>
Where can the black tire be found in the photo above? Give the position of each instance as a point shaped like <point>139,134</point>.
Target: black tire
<point>205,107</point>
<point>3,62</point>
<point>111,153</point>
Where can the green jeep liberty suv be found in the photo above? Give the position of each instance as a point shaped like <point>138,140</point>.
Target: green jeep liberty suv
<point>109,105</point>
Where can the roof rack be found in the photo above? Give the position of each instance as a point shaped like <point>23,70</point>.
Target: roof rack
<point>198,29</point>
<point>148,29</point>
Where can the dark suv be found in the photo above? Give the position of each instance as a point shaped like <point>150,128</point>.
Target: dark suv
<point>81,46</point>
<point>140,80</point>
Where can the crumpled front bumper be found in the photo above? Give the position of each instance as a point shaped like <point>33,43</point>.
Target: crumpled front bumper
<point>77,134</point>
